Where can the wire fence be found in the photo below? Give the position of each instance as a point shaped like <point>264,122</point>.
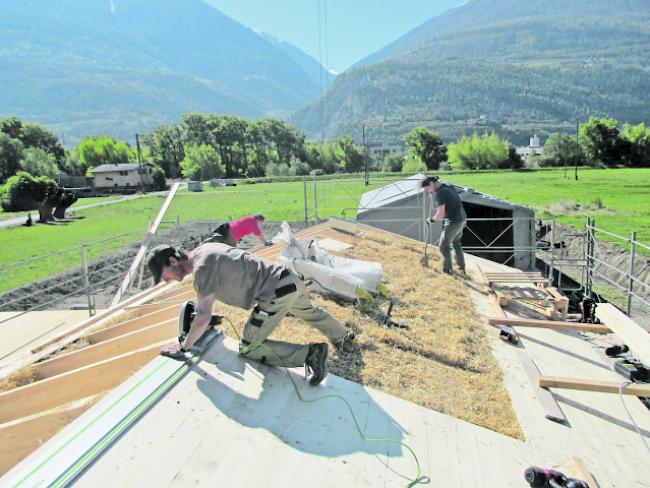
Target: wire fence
<point>92,268</point>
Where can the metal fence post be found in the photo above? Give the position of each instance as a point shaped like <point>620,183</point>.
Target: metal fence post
<point>84,263</point>
<point>304,192</point>
<point>630,282</point>
<point>315,201</point>
<point>551,268</point>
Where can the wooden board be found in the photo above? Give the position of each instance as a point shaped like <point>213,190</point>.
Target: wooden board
<point>18,439</point>
<point>74,385</point>
<point>549,324</point>
<point>552,410</point>
<point>117,346</point>
<point>631,333</point>
<point>636,389</point>
<point>579,470</point>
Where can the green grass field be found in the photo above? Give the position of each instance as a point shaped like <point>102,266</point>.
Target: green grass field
<point>619,200</point>
<point>79,203</point>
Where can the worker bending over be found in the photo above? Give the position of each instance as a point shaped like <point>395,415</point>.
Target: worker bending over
<point>450,208</point>
<point>238,278</point>
<point>236,230</point>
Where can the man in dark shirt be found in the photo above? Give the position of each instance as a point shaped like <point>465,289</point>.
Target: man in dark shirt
<point>449,207</point>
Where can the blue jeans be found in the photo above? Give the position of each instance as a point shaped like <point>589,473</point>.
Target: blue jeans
<point>452,234</point>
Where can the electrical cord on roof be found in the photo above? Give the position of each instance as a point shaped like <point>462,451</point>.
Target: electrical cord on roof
<point>629,414</point>
<point>622,387</point>
<point>412,482</point>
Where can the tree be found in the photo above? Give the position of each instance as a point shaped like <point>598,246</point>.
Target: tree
<point>25,192</point>
<point>559,150</point>
<point>11,152</point>
<point>600,142</point>
<point>202,163</point>
<point>37,162</point>
<point>167,148</point>
<point>638,136</point>
<point>392,163</point>
<point>350,153</point>
<point>480,152</point>
<point>413,164</point>
<point>97,150</point>
<point>36,136</point>
<point>428,146</point>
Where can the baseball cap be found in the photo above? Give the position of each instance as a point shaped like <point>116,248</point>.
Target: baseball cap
<point>159,258</point>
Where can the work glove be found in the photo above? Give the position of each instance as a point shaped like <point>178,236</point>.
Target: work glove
<point>268,243</point>
<point>173,351</point>
<point>430,221</point>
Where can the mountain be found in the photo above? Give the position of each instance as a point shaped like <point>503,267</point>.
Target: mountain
<point>512,66</point>
<point>310,65</point>
<point>122,66</point>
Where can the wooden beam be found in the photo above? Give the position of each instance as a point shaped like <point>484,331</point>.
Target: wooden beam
<point>636,389</point>
<point>631,333</point>
<point>97,318</point>
<point>580,471</point>
<point>73,385</point>
<point>165,314</point>
<point>343,226</point>
<point>148,238</point>
<point>549,324</point>
<point>552,410</point>
<point>547,401</point>
<point>117,346</point>
<point>20,438</point>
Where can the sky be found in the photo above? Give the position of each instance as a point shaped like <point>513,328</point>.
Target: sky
<point>350,29</point>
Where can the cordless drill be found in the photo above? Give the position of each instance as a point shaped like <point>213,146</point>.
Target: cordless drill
<point>549,478</point>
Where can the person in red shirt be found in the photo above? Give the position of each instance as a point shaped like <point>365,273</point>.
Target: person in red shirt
<point>238,229</point>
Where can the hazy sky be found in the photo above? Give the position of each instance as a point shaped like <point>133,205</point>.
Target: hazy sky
<point>355,28</point>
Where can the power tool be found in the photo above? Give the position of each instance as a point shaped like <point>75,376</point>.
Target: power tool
<point>549,478</point>
<point>508,334</point>
<point>632,369</point>
<point>185,318</point>
<point>387,321</point>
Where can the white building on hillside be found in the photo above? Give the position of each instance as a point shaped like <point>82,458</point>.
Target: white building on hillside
<point>120,177</point>
<point>534,147</point>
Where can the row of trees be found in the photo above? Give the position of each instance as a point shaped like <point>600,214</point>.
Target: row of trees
<point>204,146</point>
<point>599,143</point>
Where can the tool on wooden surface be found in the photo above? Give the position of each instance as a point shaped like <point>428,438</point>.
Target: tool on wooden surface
<point>549,478</point>
<point>508,334</point>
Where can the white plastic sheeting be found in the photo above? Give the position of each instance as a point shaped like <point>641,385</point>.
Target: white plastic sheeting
<point>329,273</point>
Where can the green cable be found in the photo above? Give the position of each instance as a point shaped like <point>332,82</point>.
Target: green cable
<point>418,477</point>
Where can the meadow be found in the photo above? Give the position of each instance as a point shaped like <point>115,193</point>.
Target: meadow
<point>619,200</point>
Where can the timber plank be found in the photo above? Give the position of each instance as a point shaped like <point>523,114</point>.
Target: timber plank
<point>73,385</point>
<point>636,338</point>
<point>122,344</point>
<point>167,313</point>
<point>549,324</point>
<point>636,389</point>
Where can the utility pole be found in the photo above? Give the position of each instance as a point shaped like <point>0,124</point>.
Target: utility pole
<point>365,155</point>
<point>137,145</point>
<point>577,147</point>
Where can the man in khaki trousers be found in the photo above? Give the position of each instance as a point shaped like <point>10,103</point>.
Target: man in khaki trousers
<point>238,278</point>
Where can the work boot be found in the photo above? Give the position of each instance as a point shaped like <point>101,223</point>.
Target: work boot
<point>344,343</point>
<point>316,363</point>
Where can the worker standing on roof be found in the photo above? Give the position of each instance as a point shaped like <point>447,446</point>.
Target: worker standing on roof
<point>450,208</point>
<point>234,231</point>
<point>238,278</point>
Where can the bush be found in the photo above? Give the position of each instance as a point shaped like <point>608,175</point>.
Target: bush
<point>159,181</point>
<point>24,192</point>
